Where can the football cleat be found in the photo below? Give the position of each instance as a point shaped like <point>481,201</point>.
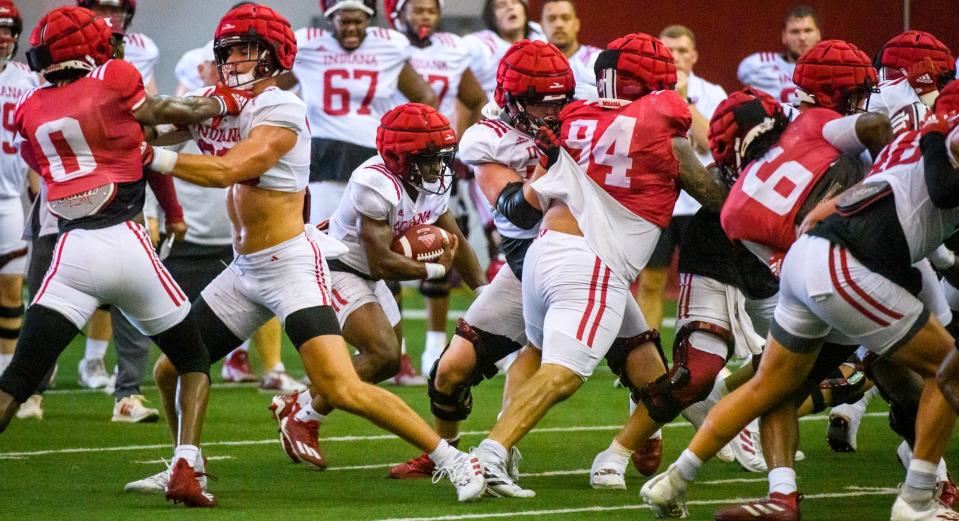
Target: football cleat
<point>92,374</point>
<point>903,511</point>
<point>843,428</point>
<point>666,494</point>
<point>156,484</point>
<point>608,472</point>
<point>407,375</point>
<point>32,409</point>
<point>725,454</point>
<point>466,474</point>
<point>513,459</point>
<point>236,367</point>
<point>748,449</point>
<point>280,407</point>
<point>280,381</point>
<point>647,457</point>
<point>498,481</point>
<point>419,467</point>
<point>777,507</point>
<point>130,409</point>
<point>301,439</point>
<point>184,487</point>
<point>946,493</point>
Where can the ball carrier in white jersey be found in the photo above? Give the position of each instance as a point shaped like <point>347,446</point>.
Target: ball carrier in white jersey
<point>262,157</point>
<point>15,81</point>
<point>348,76</point>
<point>407,184</point>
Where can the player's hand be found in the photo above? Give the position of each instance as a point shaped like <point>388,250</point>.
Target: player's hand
<point>153,226</point>
<point>231,101</point>
<point>923,76</point>
<point>682,83</point>
<point>938,122</point>
<point>178,229</point>
<point>775,262</point>
<point>323,226</point>
<point>449,252</point>
<point>548,143</point>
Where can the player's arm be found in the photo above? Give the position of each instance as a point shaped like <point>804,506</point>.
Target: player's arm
<point>465,261</point>
<point>415,88</point>
<point>156,136</point>
<point>504,189</point>
<point>699,130</point>
<point>865,131</point>
<point>377,236</point>
<point>265,145</point>
<point>182,112</point>
<point>286,80</point>
<point>472,97</point>
<point>706,186</point>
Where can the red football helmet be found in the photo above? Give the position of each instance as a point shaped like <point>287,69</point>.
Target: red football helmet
<point>129,9</point>
<point>271,45</point>
<point>903,50</point>
<point>10,17</point>
<point>533,73</point>
<point>393,10</point>
<point>742,128</point>
<point>633,66</point>
<point>331,6</point>
<point>418,144</point>
<point>831,73</point>
<point>69,38</point>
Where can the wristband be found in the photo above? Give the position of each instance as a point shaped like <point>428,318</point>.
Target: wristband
<point>222,102</point>
<point>163,160</point>
<point>435,271</point>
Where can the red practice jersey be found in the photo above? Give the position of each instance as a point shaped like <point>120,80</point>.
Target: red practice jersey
<point>83,134</point>
<point>627,149</point>
<point>763,204</point>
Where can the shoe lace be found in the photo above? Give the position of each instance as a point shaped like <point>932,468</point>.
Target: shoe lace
<point>459,472</point>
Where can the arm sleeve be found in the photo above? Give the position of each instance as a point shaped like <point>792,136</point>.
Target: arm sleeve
<point>370,203</point>
<point>162,186</point>
<point>841,133</point>
<point>125,79</point>
<point>942,179</point>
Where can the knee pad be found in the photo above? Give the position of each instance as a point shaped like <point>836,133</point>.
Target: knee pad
<point>623,346</point>
<point>691,377</point>
<point>305,324</point>
<point>46,333</point>
<point>183,346</point>
<point>489,348</point>
<point>436,288</point>
<point>10,312</point>
<point>394,287</point>
<point>449,407</point>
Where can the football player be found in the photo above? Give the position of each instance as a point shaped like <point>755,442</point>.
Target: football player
<point>95,183</point>
<point>507,22</point>
<point>443,60</point>
<point>815,157</point>
<point>407,184</point>
<point>16,79</point>
<point>347,77</point>
<point>534,84</point>
<point>561,26</point>
<point>262,157</point>
<point>576,299</point>
<point>772,72</point>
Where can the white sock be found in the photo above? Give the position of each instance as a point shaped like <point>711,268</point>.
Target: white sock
<point>782,480</point>
<point>657,435</point>
<point>616,448</point>
<point>942,472</point>
<point>190,453</point>
<point>443,454</point>
<point>278,368</point>
<point>96,349</point>
<point>435,342</point>
<point>920,485</point>
<point>304,399</point>
<point>688,465</point>
<point>493,448</point>
<point>307,413</point>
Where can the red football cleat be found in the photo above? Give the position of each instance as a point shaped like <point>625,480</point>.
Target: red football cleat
<point>280,407</point>
<point>947,493</point>
<point>419,467</point>
<point>184,487</point>
<point>647,458</point>
<point>301,439</point>
<point>236,367</point>
<point>407,375</point>
<point>777,507</point>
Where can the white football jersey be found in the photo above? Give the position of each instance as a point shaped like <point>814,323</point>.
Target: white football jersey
<point>15,81</point>
<point>140,50</point>
<point>274,107</point>
<point>898,101</point>
<point>379,194</point>
<point>442,65</point>
<point>346,93</point>
<point>923,224</point>
<point>581,63</point>
<point>494,141</point>
<point>487,49</point>
<point>770,73</point>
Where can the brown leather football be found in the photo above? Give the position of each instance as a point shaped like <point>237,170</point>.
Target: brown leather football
<point>422,242</point>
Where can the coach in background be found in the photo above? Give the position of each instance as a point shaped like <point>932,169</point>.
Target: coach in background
<point>772,72</point>
<point>561,26</point>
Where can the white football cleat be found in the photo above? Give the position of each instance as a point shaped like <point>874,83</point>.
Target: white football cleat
<point>92,374</point>
<point>157,483</point>
<point>279,381</point>
<point>466,474</point>
<point>512,463</point>
<point>666,494</point>
<point>608,471</point>
<point>902,511</point>
<point>32,409</point>
<point>726,454</point>
<point>130,409</point>
<point>498,481</point>
<point>748,449</point>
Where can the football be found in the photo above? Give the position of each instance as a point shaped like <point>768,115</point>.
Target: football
<point>423,243</point>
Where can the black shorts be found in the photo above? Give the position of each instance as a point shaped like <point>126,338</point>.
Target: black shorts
<point>41,255</point>
<point>669,240</point>
<point>332,160</point>
<point>193,266</point>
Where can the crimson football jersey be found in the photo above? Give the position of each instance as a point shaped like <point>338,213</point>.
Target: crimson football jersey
<point>627,148</point>
<point>83,134</point>
<point>763,204</point>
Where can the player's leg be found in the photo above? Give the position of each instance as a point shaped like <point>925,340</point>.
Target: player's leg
<point>92,371</point>
<point>133,358</point>
<point>436,294</point>
<point>41,255</point>
<point>267,339</point>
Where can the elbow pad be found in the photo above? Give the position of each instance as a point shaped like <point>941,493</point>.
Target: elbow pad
<point>512,204</point>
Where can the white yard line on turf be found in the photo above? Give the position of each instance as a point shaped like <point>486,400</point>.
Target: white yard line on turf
<point>377,437</point>
<point>165,461</point>
<point>534,513</point>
